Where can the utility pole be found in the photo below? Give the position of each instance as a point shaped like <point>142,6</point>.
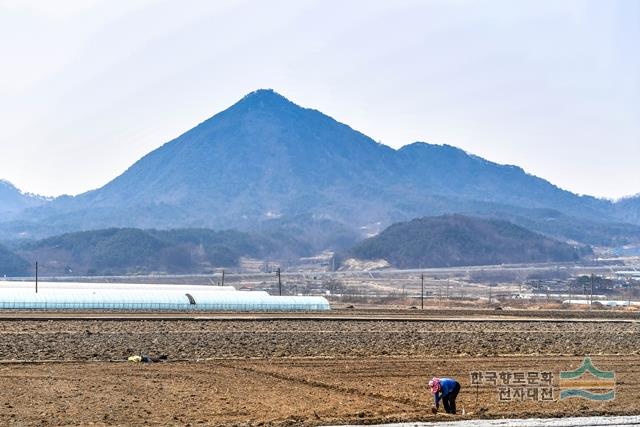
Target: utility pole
<point>591,296</point>
<point>36,277</point>
<point>222,277</point>
<point>447,291</point>
<point>570,290</point>
<point>279,282</point>
<point>490,286</point>
<point>422,292</point>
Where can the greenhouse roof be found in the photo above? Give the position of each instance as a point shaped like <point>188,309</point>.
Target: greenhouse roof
<point>151,298</point>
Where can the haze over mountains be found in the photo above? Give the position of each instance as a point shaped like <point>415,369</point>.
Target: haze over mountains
<point>449,240</point>
<point>267,161</point>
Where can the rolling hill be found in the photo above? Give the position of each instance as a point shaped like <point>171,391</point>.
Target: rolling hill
<point>118,251</point>
<point>11,264</point>
<point>449,240</point>
<point>456,240</point>
<point>628,209</point>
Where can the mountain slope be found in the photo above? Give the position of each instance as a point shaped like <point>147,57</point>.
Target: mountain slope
<point>456,240</point>
<point>14,201</point>
<point>136,251</point>
<point>450,171</point>
<point>628,209</point>
<point>262,157</point>
<point>12,264</point>
<point>266,157</point>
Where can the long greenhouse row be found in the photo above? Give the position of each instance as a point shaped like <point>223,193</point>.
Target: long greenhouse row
<point>135,297</point>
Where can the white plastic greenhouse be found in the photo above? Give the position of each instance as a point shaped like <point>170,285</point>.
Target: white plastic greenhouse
<point>149,298</point>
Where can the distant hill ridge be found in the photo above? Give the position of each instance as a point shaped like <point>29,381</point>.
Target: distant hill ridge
<point>135,251</point>
<point>450,240</point>
<point>457,240</point>
<point>13,201</point>
<point>11,264</point>
<point>266,157</point>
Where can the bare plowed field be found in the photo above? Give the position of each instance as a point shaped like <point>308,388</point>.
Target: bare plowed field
<point>287,372</point>
<point>193,340</point>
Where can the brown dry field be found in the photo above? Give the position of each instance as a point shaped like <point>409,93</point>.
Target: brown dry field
<point>294,372</point>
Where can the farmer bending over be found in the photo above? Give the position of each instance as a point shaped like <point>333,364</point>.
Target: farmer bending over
<point>445,389</point>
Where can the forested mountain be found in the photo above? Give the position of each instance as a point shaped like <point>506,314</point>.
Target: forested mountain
<point>427,242</point>
<point>135,251</point>
<point>266,158</point>
<point>14,201</point>
<point>457,240</point>
<point>628,209</point>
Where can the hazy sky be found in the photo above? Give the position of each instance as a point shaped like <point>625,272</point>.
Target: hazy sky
<point>87,87</point>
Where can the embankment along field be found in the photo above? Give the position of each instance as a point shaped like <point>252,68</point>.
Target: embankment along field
<point>309,371</point>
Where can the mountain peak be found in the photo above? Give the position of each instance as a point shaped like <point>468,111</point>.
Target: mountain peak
<point>264,98</point>
<point>263,93</point>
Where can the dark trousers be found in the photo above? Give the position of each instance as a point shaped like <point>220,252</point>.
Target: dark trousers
<point>449,401</point>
